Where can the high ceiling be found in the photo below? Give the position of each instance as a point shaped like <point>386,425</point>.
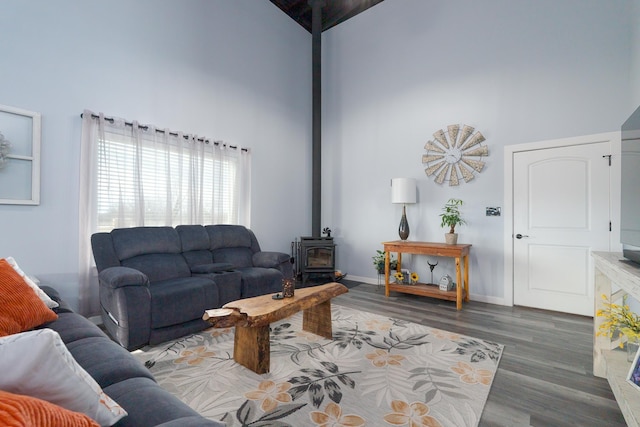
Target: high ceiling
<point>333,12</point>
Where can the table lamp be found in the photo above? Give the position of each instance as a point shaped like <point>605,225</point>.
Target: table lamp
<point>403,190</point>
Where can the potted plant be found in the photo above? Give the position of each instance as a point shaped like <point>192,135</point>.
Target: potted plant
<point>378,262</point>
<point>451,217</point>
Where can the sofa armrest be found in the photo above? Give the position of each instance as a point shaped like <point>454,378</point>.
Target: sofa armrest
<point>125,303</point>
<point>118,277</point>
<point>277,260</point>
<point>63,306</point>
<point>269,259</point>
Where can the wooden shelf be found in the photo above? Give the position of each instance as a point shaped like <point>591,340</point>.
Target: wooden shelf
<point>459,252</point>
<point>627,396</point>
<point>425,290</point>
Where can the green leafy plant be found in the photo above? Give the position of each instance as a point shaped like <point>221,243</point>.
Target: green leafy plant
<point>451,215</point>
<point>378,262</point>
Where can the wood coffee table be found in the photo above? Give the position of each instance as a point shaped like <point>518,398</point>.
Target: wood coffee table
<point>252,317</point>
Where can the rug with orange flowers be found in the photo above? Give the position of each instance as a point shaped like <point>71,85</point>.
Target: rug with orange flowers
<point>376,371</point>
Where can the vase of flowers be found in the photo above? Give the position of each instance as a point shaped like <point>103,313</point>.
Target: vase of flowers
<point>619,319</point>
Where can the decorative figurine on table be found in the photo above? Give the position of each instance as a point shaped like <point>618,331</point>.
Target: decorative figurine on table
<point>446,283</point>
<point>431,267</point>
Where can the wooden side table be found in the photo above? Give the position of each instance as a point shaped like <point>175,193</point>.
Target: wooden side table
<point>459,252</point>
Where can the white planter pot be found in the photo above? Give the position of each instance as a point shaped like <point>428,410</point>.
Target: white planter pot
<point>451,238</point>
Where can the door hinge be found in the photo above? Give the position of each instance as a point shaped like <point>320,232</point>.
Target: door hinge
<point>609,157</point>
<point>609,225</point>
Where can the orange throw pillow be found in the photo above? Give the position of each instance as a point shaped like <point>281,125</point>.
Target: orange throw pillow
<point>20,307</point>
<point>18,410</point>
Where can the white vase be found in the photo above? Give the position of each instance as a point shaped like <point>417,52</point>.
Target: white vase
<point>451,238</point>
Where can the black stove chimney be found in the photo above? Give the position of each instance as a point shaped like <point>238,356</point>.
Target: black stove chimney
<point>316,133</point>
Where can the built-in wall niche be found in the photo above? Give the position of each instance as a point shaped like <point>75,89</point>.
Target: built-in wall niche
<point>20,132</point>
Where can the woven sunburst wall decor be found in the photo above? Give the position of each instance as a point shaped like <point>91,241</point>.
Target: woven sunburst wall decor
<point>455,155</point>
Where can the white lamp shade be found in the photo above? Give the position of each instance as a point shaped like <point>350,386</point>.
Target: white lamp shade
<point>403,190</point>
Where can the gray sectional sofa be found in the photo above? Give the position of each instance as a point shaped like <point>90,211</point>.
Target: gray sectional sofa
<point>120,375</point>
<point>156,282</point>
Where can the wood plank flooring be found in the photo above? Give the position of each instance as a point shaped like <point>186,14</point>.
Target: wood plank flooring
<point>545,376</point>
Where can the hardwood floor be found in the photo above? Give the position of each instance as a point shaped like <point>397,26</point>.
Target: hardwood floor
<point>545,376</point>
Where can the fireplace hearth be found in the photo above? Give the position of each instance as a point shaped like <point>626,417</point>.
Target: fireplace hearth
<point>314,256</point>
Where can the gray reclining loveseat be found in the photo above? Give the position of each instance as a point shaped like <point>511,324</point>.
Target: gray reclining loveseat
<point>156,282</point>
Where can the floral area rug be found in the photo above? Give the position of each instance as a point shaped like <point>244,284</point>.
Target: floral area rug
<point>376,371</point>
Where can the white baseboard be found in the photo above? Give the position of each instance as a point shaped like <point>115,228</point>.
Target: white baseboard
<point>488,299</point>
<point>367,280</point>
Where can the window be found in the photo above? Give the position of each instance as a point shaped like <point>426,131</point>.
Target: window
<point>134,175</point>
<point>146,177</point>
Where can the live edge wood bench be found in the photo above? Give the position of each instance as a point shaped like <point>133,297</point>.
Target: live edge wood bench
<point>252,317</point>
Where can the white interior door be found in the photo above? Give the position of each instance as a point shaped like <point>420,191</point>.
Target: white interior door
<point>561,213</point>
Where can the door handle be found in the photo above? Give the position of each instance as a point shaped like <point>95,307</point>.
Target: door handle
<point>520,236</point>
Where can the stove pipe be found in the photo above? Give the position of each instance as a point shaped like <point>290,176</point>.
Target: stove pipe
<point>316,132</point>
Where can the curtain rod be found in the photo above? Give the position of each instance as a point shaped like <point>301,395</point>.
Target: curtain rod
<point>145,127</point>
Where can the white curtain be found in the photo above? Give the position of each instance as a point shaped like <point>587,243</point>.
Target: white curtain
<point>134,175</point>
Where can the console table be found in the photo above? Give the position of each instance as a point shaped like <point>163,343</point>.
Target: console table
<point>608,363</point>
<point>459,252</point>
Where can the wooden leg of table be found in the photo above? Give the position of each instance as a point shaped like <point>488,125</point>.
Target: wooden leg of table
<point>317,320</point>
<point>251,348</point>
<point>459,285</point>
<point>386,273</point>
<point>466,277</point>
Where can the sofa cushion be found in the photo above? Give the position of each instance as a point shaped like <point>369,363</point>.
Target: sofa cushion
<point>19,410</point>
<point>106,361</point>
<point>193,237</point>
<point>38,364</point>
<point>131,242</point>
<point>20,307</point>
<point>159,266</point>
<point>72,326</point>
<point>180,300</point>
<point>150,405</point>
<point>198,258</point>
<point>229,285</point>
<point>238,257</point>
<point>260,281</point>
<point>228,236</point>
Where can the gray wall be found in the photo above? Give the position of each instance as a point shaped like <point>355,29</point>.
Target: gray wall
<point>518,71</point>
<point>233,70</point>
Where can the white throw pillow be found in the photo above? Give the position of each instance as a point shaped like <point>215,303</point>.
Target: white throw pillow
<point>41,294</point>
<point>37,364</point>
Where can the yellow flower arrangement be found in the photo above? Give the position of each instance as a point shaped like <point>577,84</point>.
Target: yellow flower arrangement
<point>414,277</point>
<point>618,318</point>
<point>399,277</point>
